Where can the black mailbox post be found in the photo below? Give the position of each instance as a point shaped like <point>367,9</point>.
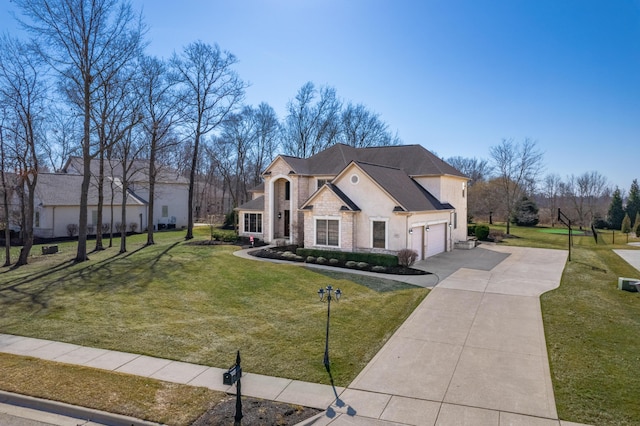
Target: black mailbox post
<point>232,375</point>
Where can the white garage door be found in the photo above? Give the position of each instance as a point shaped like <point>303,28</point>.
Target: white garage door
<point>436,239</point>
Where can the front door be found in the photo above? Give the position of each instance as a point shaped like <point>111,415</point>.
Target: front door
<point>287,223</point>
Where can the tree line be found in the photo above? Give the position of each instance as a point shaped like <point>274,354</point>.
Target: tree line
<point>82,85</point>
<point>511,181</point>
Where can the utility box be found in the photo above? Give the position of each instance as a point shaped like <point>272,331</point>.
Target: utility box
<point>49,249</point>
<point>232,375</point>
<point>628,284</point>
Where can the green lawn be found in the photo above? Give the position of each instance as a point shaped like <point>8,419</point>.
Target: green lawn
<point>592,330</point>
<point>200,304</point>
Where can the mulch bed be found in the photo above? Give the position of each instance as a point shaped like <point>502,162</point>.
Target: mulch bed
<point>255,412</point>
<point>277,252</point>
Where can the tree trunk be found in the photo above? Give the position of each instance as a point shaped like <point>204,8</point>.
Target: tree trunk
<point>99,245</point>
<point>5,193</point>
<point>152,187</point>
<point>123,217</point>
<point>28,223</point>
<point>192,178</point>
<point>81,255</point>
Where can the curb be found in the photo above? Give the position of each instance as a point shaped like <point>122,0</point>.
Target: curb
<point>63,409</point>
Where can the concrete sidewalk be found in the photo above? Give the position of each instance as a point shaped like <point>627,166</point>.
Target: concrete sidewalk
<point>255,385</point>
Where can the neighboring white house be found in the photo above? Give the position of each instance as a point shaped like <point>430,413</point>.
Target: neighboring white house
<point>378,199</point>
<point>57,199</point>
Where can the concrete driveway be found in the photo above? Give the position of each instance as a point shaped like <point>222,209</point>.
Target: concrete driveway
<point>472,353</point>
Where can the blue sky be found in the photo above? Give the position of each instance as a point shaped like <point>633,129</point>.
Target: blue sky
<point>456,76</point>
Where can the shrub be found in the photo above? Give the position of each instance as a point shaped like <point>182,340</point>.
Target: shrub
<point>471,230</point>
<point>363,265</point>
<point>230,220</point>
<point>496,236</point>
<point>379,268</point>
<point>120,227</point>
<point>407,257</point>
<point>105,228</point>
<point>133,227</point>
<point>90,229</point>
<point>72,229</point>
<point>343,256</point>
<point>310,259</point>
<point>333,261</point>
<point>482,232</point>
<point>321,260</point>
<point>351,264</point>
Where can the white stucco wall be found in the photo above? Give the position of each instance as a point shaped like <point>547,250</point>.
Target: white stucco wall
<point>452,190</point>
<point>176,198</point>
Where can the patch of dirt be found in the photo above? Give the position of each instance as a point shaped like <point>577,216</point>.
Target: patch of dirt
<point>255,412</point>
<point>277,253</point>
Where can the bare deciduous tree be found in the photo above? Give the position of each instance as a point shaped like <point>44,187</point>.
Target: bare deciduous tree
<point>210,90</point>
<point>517,166</point>
<point>584,191</point>
<point>86,42</point>
<point>552,188</point>
<point>23,91</point>
<point>477,170</point>
<point>362,128</point>
<point>159,104</point>
<point>267,128</point>
<point>311,125</point>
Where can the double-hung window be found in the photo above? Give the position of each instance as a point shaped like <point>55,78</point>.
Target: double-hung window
<point>327,232</point>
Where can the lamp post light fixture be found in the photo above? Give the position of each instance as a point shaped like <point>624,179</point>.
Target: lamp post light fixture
<point>325,293</point>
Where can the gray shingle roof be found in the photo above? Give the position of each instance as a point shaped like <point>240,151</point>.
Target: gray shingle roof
<point>414,160</point>
<point>407,192</point>
<point>63,189</point>
<point>256,204</point>
<point>139,171</point>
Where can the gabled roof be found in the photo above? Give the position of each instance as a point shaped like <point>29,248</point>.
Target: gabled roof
<point>349,205</point>
<point>409,195</point>
<point>63,189</point>
<point>139,171</point>
<point>414,160</point>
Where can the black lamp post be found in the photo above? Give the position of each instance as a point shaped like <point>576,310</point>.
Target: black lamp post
<point>322,293</point>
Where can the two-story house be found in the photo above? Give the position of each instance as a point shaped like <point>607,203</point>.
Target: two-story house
<point>360,199</point>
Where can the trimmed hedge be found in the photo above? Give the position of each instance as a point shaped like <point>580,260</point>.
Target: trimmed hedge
<point>370,258</point>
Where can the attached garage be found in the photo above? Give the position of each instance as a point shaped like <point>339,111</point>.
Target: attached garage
<point>436,239</point>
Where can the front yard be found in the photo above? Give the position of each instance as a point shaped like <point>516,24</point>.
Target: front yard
<point>200,304</point>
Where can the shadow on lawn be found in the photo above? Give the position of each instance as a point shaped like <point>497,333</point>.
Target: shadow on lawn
<point>36,286</point>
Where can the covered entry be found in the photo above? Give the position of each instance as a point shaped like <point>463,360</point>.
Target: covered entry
<point>436,239</point>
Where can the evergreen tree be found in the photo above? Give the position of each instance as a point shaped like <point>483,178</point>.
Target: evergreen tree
<point>526,212</point>
<point>626,225</point>
<point>636,225</point>
<point>616,211</point>
<point>633,201</point>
